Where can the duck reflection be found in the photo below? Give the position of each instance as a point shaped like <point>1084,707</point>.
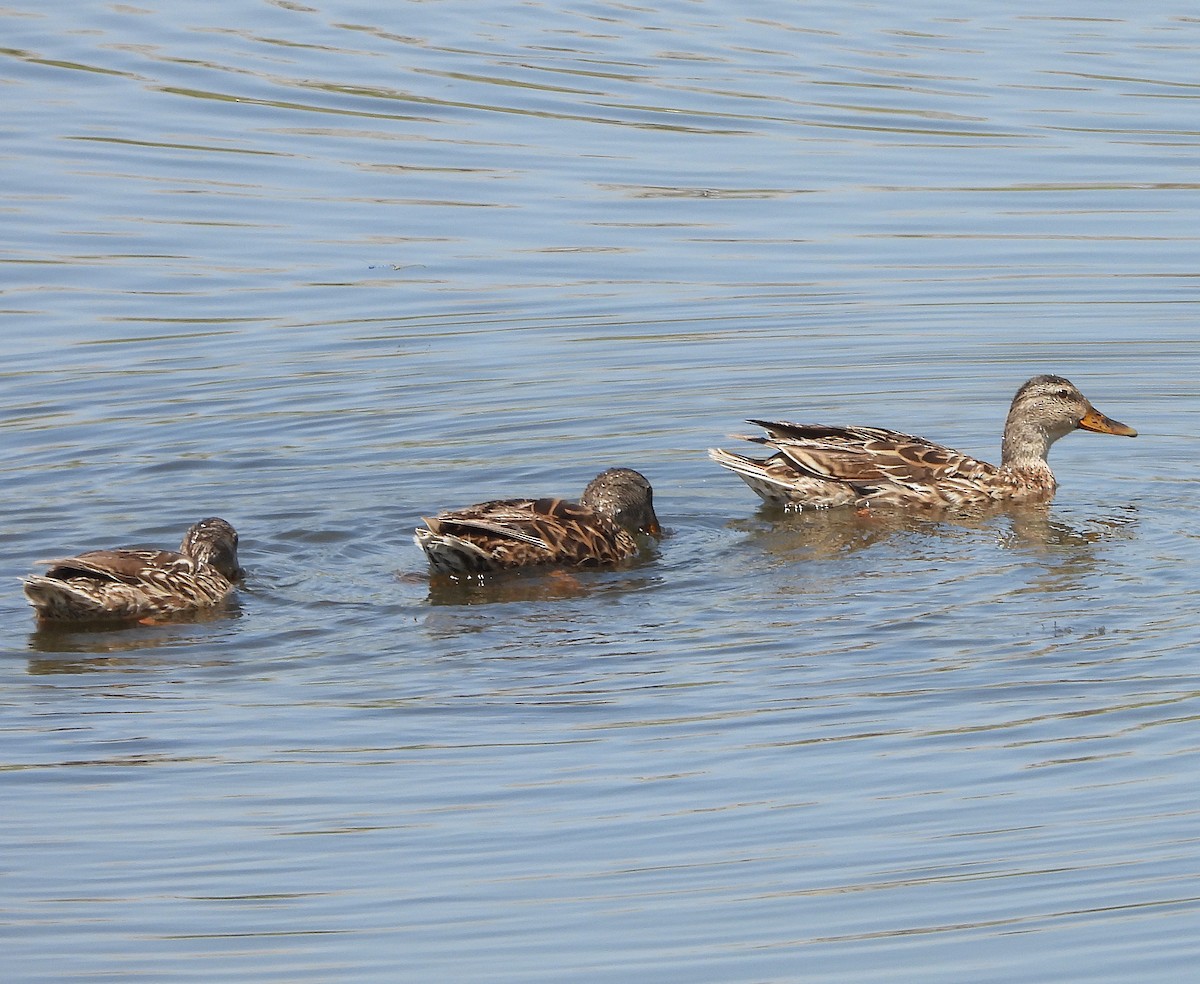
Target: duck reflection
<point>1033,528</point>
<point>88,647</point>
<point>553,584</point>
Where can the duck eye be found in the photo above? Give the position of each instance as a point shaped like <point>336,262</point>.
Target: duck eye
<point>1064,394</point>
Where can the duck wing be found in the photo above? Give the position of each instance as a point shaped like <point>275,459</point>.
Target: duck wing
<point>871,459</point>
<point>124,565</point>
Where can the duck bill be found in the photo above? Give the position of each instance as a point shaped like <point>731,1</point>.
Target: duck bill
<point>653,529</point>
<point>1094,420</point>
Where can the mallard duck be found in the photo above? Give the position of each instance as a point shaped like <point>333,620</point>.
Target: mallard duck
<point>820,466</point>
<point>508,533</point>
<point>128,584</point>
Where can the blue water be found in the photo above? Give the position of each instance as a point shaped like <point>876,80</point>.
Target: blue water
<point>324,269</point>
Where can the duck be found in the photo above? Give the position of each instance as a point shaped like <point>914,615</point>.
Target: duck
<point>822,467</point>
<point>505,534</point>
<point>129,584</point>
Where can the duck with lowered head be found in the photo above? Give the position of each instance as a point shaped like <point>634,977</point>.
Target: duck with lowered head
<point>129,584</point>
<point>513,533</point>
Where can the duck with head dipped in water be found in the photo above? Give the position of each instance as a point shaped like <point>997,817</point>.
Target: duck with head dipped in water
<point>818,466</point>
<point>504,534</point>
<point>129,584</point>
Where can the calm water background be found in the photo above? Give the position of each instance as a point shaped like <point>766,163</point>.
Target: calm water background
<point>322,268</point>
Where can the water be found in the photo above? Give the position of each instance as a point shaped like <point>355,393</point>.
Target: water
<point>322,269</point>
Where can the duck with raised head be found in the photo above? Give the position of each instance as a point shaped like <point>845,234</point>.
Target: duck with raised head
<point>130,584</point>
<point>818,466</point>
<point>597,530</point>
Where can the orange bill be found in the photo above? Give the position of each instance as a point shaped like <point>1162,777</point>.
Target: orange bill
<point>1094,420</point>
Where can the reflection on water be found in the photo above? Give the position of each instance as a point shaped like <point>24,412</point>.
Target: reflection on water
<point>106,638</point>
<point>507,587</point>
<point>796,536</point>
<point>1031,530</point>
<point>322,267</point>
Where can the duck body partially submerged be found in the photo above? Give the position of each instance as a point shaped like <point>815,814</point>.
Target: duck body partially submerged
<point>129,584</point>
<point>821,466</point>
<point>504,534</point>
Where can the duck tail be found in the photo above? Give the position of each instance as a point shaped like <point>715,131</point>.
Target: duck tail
<point>450,554</point>
<point>55,600</point>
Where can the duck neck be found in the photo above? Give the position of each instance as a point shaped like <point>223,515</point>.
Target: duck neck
<point>1024,450</point>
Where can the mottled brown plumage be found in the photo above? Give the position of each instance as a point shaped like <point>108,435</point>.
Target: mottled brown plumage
<point>819,466</point>
<point>509,533</point>
<point>129,584</point>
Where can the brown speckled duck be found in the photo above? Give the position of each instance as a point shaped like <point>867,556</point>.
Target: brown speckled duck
<point>130,585</point>
<point>819,466</point>
<point>511,533</point>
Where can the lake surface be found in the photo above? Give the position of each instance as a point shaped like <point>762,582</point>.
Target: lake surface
<point>324,268</point>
